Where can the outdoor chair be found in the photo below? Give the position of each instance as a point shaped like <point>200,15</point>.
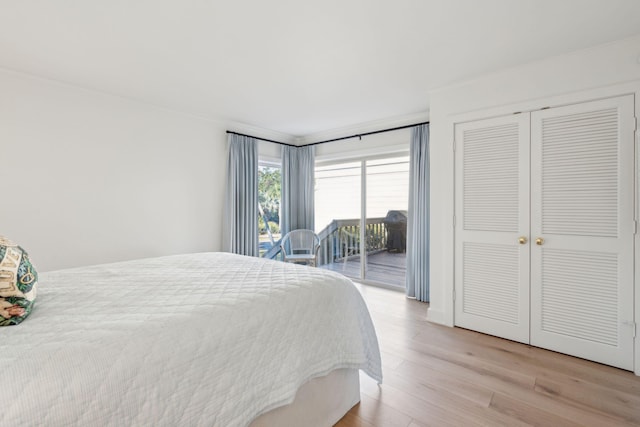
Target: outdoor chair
<point>300,247</point>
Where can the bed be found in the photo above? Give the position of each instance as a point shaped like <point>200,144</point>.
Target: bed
<point>209,339</point>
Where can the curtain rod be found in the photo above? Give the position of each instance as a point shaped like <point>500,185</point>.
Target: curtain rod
<point>359,135</point>
<point>262,139</point>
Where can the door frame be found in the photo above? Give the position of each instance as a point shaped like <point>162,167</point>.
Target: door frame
<point>362,159</point>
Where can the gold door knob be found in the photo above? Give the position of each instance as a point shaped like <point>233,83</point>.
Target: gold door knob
<point>539,241</point>
<point>522,240</point>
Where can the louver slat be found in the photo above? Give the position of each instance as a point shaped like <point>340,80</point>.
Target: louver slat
<point>580,174</point>
<point>580,295</point>
<point>490,284</point>
<point>490,178</point>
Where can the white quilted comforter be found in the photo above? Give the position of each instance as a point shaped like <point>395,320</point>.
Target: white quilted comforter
<point>201,339</point>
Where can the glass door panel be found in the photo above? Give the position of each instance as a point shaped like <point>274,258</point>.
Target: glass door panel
<point>337,216</point>
<point>387,201</point>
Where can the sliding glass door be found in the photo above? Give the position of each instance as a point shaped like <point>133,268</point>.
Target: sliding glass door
<point>361,213</point>
<point>387,201</point>
<point>337,216</point>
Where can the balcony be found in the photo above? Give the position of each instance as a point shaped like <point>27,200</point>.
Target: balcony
<point>386,259</point>
<point>340,251</point>
<point>383,267</point>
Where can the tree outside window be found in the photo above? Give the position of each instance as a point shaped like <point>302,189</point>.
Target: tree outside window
<point>269,195</point>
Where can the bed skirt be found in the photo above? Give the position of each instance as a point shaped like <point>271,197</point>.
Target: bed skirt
<point>321,402</point>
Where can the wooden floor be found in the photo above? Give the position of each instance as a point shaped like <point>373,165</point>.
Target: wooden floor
<point>383,267</point>
<point>440,376</point>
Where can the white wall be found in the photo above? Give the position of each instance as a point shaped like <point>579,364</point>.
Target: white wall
<point>583,75</point>
<point>90,178</point>
<point>369,146</point>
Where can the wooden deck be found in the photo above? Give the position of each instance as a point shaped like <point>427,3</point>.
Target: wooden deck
<point>382,267</point>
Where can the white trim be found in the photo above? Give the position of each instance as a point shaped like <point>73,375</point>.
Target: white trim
<point>363,219</point>
<point>96,92</point>
<point>334,160</point>
<point>579,54</point>
<point>261,133</point>
<point>364,154</point>
<point>594,94</point>
<point>268,161</point>
<point>377,284</point>
<point>637,235</point>
<point>436,316</point>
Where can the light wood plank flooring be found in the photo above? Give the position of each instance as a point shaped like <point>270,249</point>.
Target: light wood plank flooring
<point>439,376</point>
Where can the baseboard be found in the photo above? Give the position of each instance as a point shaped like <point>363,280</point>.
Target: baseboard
<point>436,316</point>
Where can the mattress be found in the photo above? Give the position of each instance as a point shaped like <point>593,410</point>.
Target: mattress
<point>200,339</point>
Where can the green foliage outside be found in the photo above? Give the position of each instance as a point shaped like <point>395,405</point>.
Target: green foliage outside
<point>269,192</point>
<point>273,226</point>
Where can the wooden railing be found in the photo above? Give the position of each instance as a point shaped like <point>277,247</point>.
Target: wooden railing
<point>274,252</point>
<point>341,239</point>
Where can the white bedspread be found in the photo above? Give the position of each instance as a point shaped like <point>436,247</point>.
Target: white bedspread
<point>201,339</point>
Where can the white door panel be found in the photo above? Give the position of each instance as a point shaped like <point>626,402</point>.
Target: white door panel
<point>492,213</point>
<point>582,168</point>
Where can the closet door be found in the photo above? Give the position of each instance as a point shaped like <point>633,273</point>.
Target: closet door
<point>582,227</point>
<point>491,226</point>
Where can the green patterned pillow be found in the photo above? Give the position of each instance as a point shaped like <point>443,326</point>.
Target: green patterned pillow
<point>18,282</point>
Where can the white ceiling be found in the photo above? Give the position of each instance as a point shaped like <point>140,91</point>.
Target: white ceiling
<point>294,66</point>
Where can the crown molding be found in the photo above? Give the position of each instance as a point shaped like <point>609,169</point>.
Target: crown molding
<point>261,132</point>
<point>372,126</point>
<point>550,61</point>
<point>365,127</point>
<point>231,125</point>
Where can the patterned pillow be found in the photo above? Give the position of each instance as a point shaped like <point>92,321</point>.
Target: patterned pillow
<point>18,282</point>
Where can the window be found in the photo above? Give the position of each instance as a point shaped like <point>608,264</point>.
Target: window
<point>269,196</point>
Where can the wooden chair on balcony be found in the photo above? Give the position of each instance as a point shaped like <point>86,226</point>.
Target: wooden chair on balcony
<point>300,247</point>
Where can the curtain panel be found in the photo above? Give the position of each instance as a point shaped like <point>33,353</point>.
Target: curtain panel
<point>298,177</point>
<point>240,231</point>
<point>418,221</point>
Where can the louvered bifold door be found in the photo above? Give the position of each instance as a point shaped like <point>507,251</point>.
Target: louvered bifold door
<point>492,214</point>
<point>582,222</point>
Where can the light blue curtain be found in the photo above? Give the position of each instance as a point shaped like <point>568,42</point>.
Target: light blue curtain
<point>418,221</point>
<point>241,211</point>
<point>297,209</point>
